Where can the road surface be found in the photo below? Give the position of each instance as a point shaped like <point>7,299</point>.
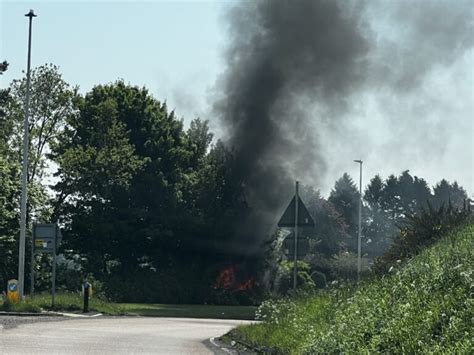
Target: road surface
<point>119,335</point>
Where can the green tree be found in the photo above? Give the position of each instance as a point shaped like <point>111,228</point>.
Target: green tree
<point>4,94</point>
<point>101,196</point>
<point>140,196</point>
<point>199,139</point>
<point>345,199</point>
<point>414,193</point>
<point>220,198</point>
<point>446,193</point>
<point>380,228</point>
<point>52,100</point>
<point>9,190</point>
<point>404,195</point>
<point>330,230</point>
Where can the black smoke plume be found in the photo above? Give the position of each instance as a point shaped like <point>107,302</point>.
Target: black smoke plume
<point>284,55</point>
<point>296,69</point>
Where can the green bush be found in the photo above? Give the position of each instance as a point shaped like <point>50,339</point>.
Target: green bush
<point>319,279</point>
<point>344,266</point>
<point>420,231</point>
<point>304,281</point>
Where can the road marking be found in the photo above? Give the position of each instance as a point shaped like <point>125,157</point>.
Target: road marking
<point>76,315</point>
<point>217,346</point>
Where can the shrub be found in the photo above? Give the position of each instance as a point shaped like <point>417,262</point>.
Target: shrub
<point>304,281</point>
<point>319,279</point>
<point>420,231</point>
<point>7,306</point>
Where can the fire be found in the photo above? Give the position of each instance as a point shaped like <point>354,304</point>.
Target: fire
<point>227,280</point>
<point>246,285</point>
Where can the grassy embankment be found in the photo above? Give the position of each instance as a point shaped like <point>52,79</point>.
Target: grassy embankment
<point>425,305</point>
<point>72,302</point>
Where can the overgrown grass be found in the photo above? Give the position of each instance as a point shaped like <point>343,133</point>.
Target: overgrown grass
<point>425,305</point>
<point>72,302</point>
<point>26,307</point>
<point>65,302</point>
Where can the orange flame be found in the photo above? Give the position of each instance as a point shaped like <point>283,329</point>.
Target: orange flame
<point>246,285</point>
<point>227,280</point>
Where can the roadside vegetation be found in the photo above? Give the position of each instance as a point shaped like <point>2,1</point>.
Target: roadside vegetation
<point>72,302</point>
<point>152,211</point>
<point>423,304</point>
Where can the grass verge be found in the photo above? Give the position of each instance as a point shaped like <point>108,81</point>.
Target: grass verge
<point>423,306</point>
<point>72,302</point>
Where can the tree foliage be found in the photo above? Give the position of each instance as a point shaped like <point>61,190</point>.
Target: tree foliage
<point>9,188</point>
<point>51,102</point>
<point>146,203</point>
<point>138,193</point>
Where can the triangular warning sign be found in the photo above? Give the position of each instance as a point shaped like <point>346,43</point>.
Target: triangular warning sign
<point>288,218</point>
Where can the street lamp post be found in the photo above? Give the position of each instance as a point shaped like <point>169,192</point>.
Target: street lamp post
<point>24,173</point>
<point>360,222</point>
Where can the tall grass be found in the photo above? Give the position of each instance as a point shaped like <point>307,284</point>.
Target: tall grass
<point>27,307</point>
<point>65,302</point>
<point>425,305</point>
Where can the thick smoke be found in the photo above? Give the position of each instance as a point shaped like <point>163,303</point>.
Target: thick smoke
<point>298,70</point>
<point>413,38</point>
<point>284,54</point>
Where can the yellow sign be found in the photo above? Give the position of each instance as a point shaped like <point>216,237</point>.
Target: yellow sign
<point>12,291</point>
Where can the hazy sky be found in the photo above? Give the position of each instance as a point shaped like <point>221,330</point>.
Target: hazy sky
<point>176,49</point>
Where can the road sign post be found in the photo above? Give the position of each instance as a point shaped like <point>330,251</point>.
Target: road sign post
<point>295,258</point>
<point>296,215</point>
<point>46,239</point>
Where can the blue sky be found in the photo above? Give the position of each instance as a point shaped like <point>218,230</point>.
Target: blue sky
<point>176,49</point>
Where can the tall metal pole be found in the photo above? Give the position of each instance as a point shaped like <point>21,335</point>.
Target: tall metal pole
<point>360,223</point>
<point>24,173</point>
<point>295,257</point>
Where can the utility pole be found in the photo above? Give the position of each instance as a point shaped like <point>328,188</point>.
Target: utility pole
<point>360,222</point>
<point>295,258</point>
<point>24,173</point>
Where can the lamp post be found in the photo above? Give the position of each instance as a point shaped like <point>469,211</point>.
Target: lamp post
<point>24,173</point>
<point>360,222</point>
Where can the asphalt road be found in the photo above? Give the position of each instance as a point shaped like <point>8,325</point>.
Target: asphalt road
<point>120,335</point>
